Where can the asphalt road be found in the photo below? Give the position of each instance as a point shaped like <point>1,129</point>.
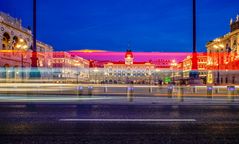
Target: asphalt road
<point>107,124</point>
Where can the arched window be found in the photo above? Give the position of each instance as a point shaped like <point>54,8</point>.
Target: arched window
<point>19,44</point>
<point>5,41</point>
<point>15,42</point>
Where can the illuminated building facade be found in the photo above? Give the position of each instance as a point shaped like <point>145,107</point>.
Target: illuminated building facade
<point>80,67</point>
<point>178,73</point>
<point>181,70</point>
<point>162,63</point>
<point>129,71</point>
<point>202,67</point>
<point>15,51</point>
<point>223,57</point>
<point>15,41</point>
<point>45,59</point>
<point>68,68</point>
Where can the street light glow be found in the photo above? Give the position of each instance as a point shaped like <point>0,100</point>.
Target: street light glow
<point>21,40</point>
<point>215,46</point>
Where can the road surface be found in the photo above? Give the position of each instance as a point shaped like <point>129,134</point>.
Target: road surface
<point>118,123</point>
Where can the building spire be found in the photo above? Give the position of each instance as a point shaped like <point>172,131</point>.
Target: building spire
<point>231,21</point>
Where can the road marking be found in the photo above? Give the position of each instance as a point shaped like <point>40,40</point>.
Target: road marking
<point>127,120</point>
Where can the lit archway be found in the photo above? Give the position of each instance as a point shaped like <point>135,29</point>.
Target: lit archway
<point>19,44</point>
<point>15,42</point>
<point>6,41</point>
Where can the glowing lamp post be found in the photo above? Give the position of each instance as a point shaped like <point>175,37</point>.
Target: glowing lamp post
<point>194,75</point>
<point>35,73</point>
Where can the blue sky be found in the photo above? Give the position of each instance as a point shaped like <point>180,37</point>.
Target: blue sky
<point>149,25</point>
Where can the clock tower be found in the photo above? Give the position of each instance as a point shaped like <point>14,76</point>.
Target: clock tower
<point>129,58</point>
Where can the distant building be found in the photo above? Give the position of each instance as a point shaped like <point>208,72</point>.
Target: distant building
<point>68,68</point>
<point>129,71</point>
<point>162,63</point>
<point>80,67</point>
<point>181,70</point>
<point>62,67</point>
<point>45,59</point>
<point>223,58</point>
<point>177,72</point>
<point>98,64</point>
<point>202,67</point>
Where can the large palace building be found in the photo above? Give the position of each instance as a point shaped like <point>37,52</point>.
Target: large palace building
<point>15,50</point>
<point>129,71</point>
<point>223,58</point>
<point>13,37</point>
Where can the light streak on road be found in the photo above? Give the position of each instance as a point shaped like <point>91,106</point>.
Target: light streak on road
<point>127,120</point>
<point>56,99</point>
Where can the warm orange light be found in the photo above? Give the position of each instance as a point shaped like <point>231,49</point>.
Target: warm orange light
<point>221,45</point>
<point>215,46</point>
<point>21,40</point>
<point>25,47</point>
<point>18,46</point>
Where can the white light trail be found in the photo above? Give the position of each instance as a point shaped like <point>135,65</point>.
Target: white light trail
<point>127,120</point>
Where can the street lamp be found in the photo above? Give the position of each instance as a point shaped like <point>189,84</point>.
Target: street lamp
<point>194,74</point>
<point>35,73</point>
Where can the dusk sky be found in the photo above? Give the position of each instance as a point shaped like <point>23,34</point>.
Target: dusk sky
<point>149,25</point>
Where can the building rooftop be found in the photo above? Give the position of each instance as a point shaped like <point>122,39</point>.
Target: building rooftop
<point>14,22</point>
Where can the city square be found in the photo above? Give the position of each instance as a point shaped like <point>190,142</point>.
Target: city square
<point>124,72</point>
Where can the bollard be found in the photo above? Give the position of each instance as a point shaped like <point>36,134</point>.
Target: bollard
<point>79,90</point>
<point>194,89</point>
<point>130,91</point>
<point>105,89</point>
<point>90,90</point>
<point>180,94</point>
<point>209,91</point>
<point>231,90</point>
<point>170,91</point>
<point>216,90</point>
<point>150,89</point>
